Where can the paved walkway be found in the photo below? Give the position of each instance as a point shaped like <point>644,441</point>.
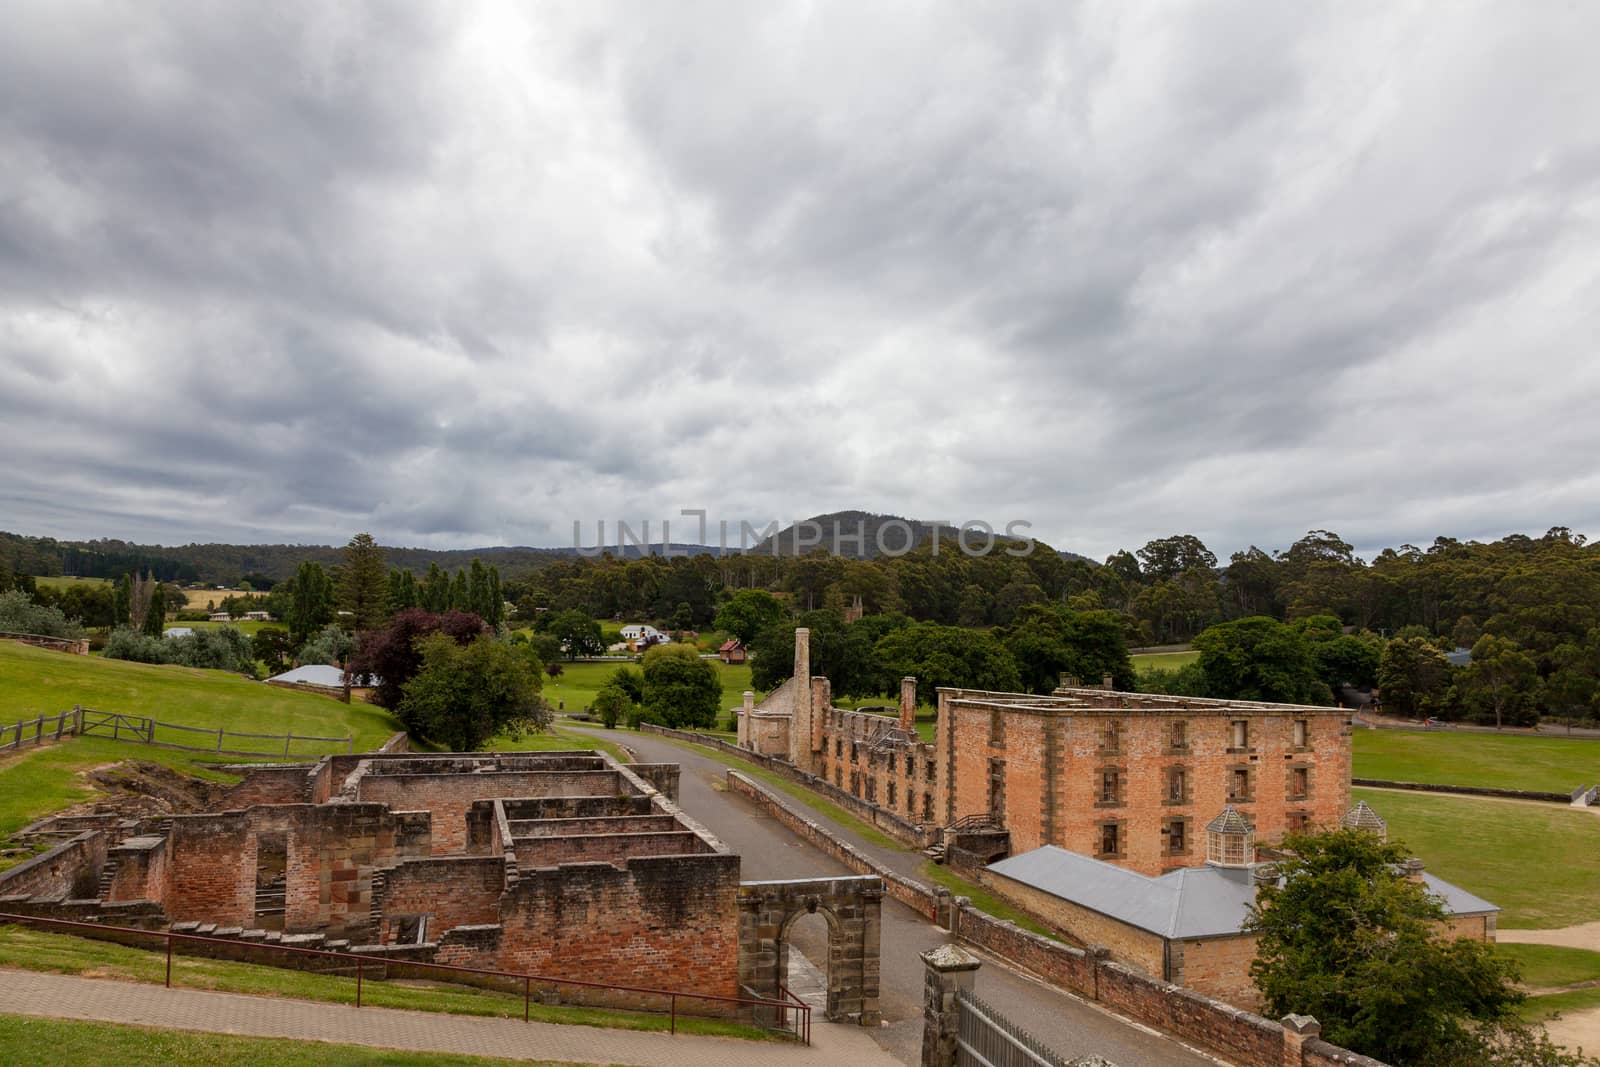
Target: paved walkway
<point>767,849</point>
<point>104,1000</point>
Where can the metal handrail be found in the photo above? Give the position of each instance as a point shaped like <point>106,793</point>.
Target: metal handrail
<point>802,1029</point>
<point>803,1020</point>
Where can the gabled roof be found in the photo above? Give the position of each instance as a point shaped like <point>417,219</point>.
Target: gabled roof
<point>1187,903</point>
<point>731,645</point>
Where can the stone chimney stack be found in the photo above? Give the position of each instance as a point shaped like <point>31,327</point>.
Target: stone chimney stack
<point>1414,869</point>
<point>908,704</point>
<point>1108,682</point>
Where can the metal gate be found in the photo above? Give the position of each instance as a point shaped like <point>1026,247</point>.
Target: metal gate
<point>985,1038</point>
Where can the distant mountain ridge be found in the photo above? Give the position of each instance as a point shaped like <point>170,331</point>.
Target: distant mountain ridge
<point>857,534</point>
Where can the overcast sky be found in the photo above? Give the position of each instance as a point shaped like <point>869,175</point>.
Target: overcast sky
<point>461,274</point>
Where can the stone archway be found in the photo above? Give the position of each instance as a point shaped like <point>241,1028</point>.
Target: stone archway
<point>852,907</point>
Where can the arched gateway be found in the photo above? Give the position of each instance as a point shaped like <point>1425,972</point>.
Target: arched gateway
<point>852,907</point>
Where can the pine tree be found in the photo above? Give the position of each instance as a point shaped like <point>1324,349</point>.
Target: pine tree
<point>155,619</point>
<point>435,594</point>
<point>310,602</point>
<point>459,598</point>
<point>478,591</point>
<point>497,602</point>
<point>122,606</point>
<point>364,583</point>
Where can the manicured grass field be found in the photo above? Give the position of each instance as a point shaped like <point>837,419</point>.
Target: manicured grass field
<point>1440,757</point>
<point>34,1042</point>
<point>38,950</point>
<point>1540,863</point>
<point>1167,661</point>
<point>1548,966</point>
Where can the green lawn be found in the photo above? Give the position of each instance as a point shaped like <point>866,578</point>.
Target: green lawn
<point>1540,863</point>
<point>36,681</point>
<point>1439,757</point>
<point>1550,966</point>
<point>34,1042</point>
<point>1167,661</point>
<point>38,950</point>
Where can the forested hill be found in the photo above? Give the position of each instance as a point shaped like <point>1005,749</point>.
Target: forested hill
<point>865,535</point>
<point>44,556</point>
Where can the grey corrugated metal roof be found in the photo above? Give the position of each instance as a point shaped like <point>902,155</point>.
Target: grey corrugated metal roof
<point>1188,903</point>
<point>318,674</point>
<point>1457,901</point>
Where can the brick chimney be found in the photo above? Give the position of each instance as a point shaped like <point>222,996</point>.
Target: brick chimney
<point>908,704</point>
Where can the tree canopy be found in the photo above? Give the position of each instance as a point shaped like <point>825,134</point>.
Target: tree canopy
<point>1347,938</point>
<point>465,694</point>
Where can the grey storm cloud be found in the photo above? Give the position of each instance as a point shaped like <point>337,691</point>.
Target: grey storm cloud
<point>463,274</point>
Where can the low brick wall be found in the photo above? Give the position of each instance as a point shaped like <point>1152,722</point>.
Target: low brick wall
<point>69,870</point>
<point>907,833</point>
<point>1239,1036</point>
<point>1464,790</point>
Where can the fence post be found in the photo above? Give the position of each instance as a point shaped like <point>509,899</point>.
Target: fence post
<point>527,994</point>
<point>947,971</point>
<point>286,739</point>
<point>77,719</point>
<point>38,730</point>
<point>219,739</point>
<point>169,959</point>
<point>674,1024</point>
<point>358,981</point>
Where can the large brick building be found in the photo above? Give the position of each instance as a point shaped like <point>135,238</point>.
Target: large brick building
<point>1133,778</point>
<point>1130,778</point>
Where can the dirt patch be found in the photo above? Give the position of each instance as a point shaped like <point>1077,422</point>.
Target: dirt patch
<point>136,788</point>
<point>1576,1029</point>
<point>1584,935</point>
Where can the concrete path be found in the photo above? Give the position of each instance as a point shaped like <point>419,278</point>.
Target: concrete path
<point>767,849</point>
<point>1584,935</point>
<point>103,1000</point>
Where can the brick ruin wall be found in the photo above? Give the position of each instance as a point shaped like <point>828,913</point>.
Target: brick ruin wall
<point>449,796</point>
<point>665,922</point>
<point>901,778</point>
<point>1043,773</point>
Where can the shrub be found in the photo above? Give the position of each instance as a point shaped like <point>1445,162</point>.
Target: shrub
<point>20,615</point>
<point>127,643</point>
<point>331,646</point>
<point>612,704</point>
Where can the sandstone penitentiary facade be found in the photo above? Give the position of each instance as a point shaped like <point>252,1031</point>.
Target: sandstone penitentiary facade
<point>1130,778</point>
<point>1133,778</point>
<point>564,865</point>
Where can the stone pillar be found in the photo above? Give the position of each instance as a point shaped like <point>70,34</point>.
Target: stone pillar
<point>908,704</point>
<point>948,970</point>
<point>800,712</point>
<point>821,703</point>
<point>1297,1030</point>
<point>744,719</point>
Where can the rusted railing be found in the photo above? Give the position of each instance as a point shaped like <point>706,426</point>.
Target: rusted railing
<point>781,1007</point>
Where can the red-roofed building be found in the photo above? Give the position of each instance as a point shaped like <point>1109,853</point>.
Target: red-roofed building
<point>731,651</point>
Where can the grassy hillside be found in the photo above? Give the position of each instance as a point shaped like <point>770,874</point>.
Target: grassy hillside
<point>35,681</point>
<point>1548,764</point>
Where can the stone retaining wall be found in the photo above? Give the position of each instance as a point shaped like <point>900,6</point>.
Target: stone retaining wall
<point>1464,790</point>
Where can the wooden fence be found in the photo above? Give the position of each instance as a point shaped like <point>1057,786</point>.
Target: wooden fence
<point>86,722</point>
